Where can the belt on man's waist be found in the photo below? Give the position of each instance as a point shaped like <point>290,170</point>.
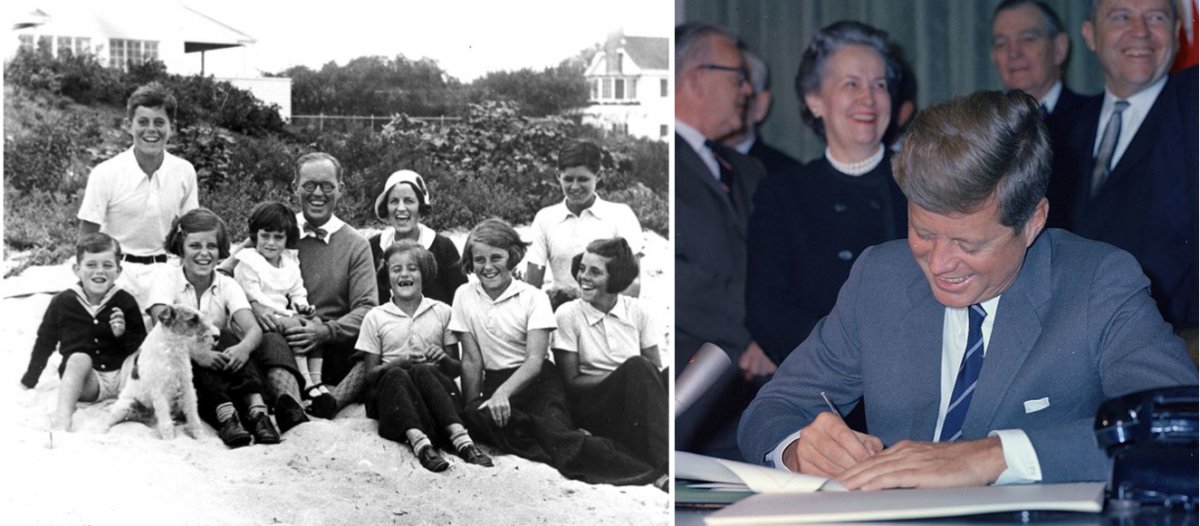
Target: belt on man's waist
<point>144,260</point>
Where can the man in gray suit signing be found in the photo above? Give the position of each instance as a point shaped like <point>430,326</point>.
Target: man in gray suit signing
<point>982,344</point>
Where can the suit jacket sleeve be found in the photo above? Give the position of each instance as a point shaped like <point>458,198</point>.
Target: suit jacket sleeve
<point>828,360</point>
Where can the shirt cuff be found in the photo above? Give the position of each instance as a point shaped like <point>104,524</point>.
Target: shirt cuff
<point>775,457</point>
<point>1019,455</point>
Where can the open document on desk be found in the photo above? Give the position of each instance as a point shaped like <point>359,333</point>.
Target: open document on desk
<point>713,482</point>
<point>897,504</point>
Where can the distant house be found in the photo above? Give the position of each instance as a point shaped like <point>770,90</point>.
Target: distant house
<point>630,87</point>
<point>121,33</point>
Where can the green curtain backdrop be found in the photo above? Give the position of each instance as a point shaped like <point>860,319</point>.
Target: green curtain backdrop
<point>947,42</point>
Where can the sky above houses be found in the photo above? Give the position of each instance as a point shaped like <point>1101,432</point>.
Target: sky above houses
<point>467,38</point>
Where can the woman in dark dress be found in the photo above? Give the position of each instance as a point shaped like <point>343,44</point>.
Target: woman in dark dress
<point>811,223</point>
<point>403,202</point>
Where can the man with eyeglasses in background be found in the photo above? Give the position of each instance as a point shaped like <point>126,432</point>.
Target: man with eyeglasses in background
<point>713,190</point>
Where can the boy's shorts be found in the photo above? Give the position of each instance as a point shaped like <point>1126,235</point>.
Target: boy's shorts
<point>111,382</point>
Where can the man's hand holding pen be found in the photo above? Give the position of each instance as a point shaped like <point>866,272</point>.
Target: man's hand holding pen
<point>827,447</point>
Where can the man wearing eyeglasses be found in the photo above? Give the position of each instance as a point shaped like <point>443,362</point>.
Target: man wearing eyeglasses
<point>336,264</point>
<point>713,188</point>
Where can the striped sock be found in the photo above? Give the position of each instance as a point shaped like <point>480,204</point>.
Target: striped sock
<point>459,436</point>
<point>226,411</point>
<point>257,409</point>
<point>417,439</point>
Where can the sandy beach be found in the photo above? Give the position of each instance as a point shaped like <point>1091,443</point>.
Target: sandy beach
<point>325,472</point>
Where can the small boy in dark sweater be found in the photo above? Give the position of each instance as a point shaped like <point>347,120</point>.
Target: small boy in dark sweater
<point>96,326</point>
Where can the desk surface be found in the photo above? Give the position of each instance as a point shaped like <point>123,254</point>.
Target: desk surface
<point>1111,517</point>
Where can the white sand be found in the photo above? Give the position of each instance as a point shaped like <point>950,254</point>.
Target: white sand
<point>325,472</point>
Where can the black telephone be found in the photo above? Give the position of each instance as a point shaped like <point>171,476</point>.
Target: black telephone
<point>1152,439</point>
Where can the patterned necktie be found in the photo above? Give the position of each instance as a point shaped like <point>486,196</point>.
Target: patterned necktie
<point>1108,145</point>
<point>316,231</point>
<point>725,171</point>
<point>968,374</point>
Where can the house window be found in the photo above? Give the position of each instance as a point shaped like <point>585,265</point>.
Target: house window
<point>663,87</point>
<point>26,43</point>
<point>64,47</point>
<point>123,53</point>
<point>45,45</point>
<point>83,45</point>
<point>606,92</point>
<point>595,83</point>
<point>631,85</point>
<point>662,130</point>
<point>619,92</point>
<point>116,53</point>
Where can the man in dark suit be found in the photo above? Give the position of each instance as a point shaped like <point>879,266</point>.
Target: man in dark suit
<point>713,188</point>
<point>982,345</point>
<point>1029,49</point>
<point>1133,153</point>
<point>746,139</point>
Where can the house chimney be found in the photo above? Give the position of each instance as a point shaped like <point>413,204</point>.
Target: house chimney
<point>612,52</point>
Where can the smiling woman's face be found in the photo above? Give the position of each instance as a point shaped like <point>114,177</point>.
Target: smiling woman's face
<point>403,209</point>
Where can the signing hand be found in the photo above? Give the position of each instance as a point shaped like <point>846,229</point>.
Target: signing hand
<point>498,406</point>
<point>117,322</point>
<point>911,464</point>
<point>754,362</point>
<point>828,447</point>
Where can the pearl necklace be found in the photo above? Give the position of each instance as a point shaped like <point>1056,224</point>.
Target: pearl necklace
<point>856,168</point>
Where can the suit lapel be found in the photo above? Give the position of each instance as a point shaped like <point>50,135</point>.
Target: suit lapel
<point>1016,328</point>
<point>1084,140</point>
<point>923,336</point>
<point>685,155</point>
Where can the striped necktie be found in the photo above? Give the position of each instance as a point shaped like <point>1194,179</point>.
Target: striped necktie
<point>725,171</point>
<point>1108,146</point>
<point>968,374</point>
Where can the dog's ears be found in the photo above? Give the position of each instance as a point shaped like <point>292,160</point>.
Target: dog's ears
<point>167,315</point>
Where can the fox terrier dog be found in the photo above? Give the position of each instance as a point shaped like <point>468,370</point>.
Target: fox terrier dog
<point>162,372</point>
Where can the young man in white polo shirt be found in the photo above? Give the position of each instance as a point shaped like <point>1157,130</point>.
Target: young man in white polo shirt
<point>561,231</point>
<point>135,195</point>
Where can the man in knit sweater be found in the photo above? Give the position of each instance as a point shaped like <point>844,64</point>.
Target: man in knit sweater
<point>335,261</point>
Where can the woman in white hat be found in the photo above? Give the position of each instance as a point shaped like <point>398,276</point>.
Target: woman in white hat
<point>404,200</point>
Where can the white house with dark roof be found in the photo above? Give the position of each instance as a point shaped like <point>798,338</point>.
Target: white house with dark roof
<point>124,32</point>
<point>630,87</point>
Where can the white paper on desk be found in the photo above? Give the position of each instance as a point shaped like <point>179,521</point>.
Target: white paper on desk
<point>759,479</point>
<point>900,504</point>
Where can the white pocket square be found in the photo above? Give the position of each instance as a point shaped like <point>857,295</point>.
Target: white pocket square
<point>1033,406</point>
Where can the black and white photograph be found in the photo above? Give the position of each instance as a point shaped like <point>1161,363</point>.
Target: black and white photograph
<point>349,262</point>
